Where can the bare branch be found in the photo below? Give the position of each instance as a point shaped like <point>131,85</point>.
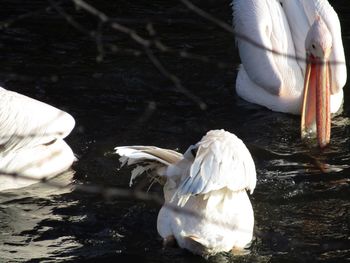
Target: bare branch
<point>10,22</point>
<point>104,18</point>
<point>70,19</point>
<point>174,79</point>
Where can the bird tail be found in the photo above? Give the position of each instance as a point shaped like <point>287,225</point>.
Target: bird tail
<point>147,159</point>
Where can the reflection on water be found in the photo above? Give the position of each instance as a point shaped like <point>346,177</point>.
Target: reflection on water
<point>23,216</point>
<point>301,202</point>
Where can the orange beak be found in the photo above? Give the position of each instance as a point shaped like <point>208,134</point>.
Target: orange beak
<point>315,116</point>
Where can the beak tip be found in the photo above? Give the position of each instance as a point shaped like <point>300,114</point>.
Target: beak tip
<point>323,144</point>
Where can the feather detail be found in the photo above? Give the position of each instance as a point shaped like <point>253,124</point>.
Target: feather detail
<point>138,170</point>
<point>209,179</point>
<point>222,160</point>
<point>31,139</point>
<point>147,159</point>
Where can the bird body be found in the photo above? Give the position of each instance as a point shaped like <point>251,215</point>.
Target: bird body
<point>210,180</point>
<point>31,140</point>
<point>273,80</point>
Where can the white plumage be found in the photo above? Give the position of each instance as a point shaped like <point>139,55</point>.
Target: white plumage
<point>210,179</point>
<point>275,81</point>
<point>31,139</point>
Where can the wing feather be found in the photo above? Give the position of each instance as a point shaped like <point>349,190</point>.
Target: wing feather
<point>135,154</point>
<point>222,160</point>
<point>147,158</point>
<point>28,122</point>
<point>253,19</point>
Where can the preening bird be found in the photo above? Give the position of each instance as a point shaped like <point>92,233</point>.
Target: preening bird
<point>307,29</point>
<point>31,140</point>
<point>210,179</point>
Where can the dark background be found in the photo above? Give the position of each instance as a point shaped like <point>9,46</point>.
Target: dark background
<point>107,80</point>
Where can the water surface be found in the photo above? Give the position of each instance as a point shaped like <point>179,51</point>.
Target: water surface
<point>118,97</point>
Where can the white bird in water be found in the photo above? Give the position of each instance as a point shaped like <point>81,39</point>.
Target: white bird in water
<point>210,179</point>
<point>31,140</point>
<point>308,29</point>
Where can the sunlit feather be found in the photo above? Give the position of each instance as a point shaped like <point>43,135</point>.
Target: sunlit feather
<point>31,139</point>
<point>210,179</point>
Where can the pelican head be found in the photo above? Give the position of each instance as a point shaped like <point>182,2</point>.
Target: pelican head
<point>315,117</point>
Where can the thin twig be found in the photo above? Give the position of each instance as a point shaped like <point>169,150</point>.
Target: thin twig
<point>114,192</point>
<point>8,23</point>
<point>117,26</point>
<point>70,19</point>
<point>177,82</point>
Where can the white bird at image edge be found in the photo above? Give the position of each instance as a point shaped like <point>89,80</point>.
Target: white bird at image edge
<point>31,140</point>
<point>271,76</point>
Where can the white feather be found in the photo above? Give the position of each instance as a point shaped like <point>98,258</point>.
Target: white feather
<point>210,178</point>
<point>31,139</point>
<point>276,81</point>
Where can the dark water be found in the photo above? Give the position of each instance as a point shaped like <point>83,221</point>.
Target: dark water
<point>118,97</point>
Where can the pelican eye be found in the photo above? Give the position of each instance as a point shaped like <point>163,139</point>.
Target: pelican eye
<point>313,46</point>
<point>50,142</point>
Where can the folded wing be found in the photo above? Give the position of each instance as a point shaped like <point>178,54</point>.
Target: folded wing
<point>222,161</point>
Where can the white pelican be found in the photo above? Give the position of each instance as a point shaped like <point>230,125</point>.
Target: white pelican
<point>209,179</point>
<point>31,139</point>
<point>308,29</point>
